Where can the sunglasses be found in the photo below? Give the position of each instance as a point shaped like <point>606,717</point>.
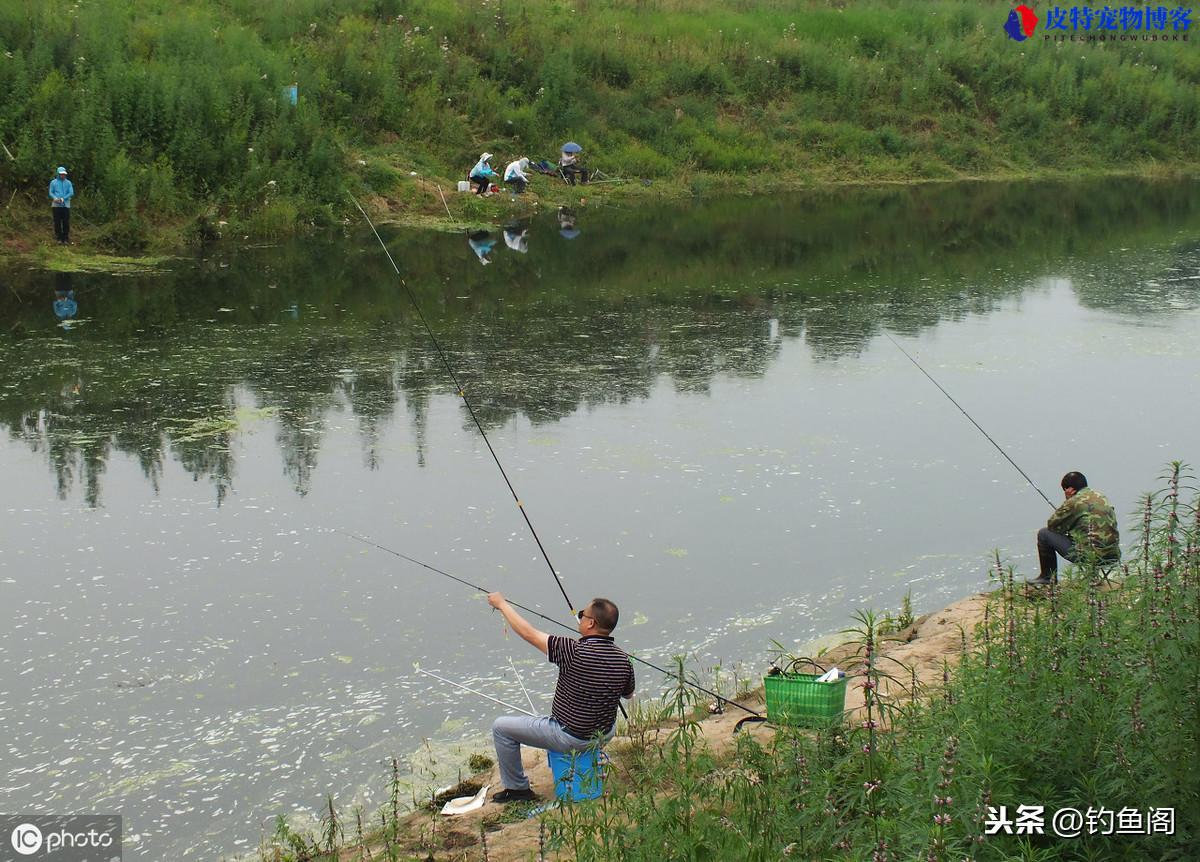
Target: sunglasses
<point>582,614</point>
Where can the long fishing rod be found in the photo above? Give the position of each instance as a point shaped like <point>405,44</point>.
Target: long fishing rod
<point>540,615</point>
<point>470,409</point>
<point>973,422</point>
<point>474,691</point>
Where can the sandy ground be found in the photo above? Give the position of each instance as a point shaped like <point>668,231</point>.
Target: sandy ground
<point>923,647</point>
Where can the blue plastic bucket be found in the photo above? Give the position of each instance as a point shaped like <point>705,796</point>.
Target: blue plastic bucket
<point>578,775</point>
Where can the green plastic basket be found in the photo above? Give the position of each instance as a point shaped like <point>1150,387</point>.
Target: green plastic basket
<point>798,699</point>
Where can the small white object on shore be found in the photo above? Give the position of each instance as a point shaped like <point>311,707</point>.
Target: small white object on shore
<point>463,804</point>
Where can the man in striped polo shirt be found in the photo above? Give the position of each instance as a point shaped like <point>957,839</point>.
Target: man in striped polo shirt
<point>593,675</point>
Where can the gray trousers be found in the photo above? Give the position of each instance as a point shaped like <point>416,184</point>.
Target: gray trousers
<point>510,732</point>
<point>1050,543</point>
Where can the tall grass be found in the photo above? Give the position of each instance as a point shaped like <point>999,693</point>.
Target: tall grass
<point>165,108</point>
<point>1086,698</point>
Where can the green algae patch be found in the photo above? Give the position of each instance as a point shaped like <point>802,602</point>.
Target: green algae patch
<point>70,260</point>
<point>210,427</point>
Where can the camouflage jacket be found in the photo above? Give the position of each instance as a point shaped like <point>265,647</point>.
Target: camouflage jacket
<point>1088,518</point>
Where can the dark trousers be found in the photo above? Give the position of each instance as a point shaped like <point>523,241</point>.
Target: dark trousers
<point>570,172</point>
<point>62,223</point>
<point>517,183</point>
<point>1051,544</point>
<point>481,184</point>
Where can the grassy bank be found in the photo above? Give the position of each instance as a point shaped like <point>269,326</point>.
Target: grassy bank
<point>1085,697</point>
<point>173,122</point>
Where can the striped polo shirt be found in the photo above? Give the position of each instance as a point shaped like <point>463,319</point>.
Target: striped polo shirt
<point>593,675</point>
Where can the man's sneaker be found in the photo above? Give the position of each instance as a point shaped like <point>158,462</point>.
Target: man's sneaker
<point>505,796</point>
<point>1040,581</point>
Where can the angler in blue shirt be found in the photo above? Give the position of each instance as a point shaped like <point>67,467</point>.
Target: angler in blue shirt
<point>481,175</point>
<point>61,192</point>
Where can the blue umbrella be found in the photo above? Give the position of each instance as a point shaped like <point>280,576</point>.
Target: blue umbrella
<point>571,147</point>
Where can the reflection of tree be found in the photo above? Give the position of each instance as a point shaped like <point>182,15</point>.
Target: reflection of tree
<point>414,376</point>
<point>300,383</point>
<point>687,296</point>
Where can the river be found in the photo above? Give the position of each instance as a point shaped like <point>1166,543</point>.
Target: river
<point>701,409</point>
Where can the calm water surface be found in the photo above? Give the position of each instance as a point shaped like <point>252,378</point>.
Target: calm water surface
<point>700,408</point>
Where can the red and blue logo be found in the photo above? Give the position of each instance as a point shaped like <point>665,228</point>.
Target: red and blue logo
<point>1021,23</point>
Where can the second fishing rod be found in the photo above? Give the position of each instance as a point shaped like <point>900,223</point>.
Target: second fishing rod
<point>474,417</point>
<point>462,393</point>
<point>540,615</point>
<point>971,419</point>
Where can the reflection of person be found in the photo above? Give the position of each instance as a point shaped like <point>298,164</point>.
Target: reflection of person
<point>481,243</point>
<point>566,222</point>
<point>65,306</point>
<point>515,176</point>
<point>61,192</point>
<point>1082,529</point>
<point>517,238</point>
<point>593,675</point>
<point>481,175</point>
<point>568,163</point>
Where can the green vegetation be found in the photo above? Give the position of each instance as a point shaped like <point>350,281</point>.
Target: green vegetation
<point>1088,697</point>
<point>172,117</point>
<point>1085,696</point>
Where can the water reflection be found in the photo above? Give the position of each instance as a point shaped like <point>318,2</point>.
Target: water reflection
<point>308,329</point>
<point>65,306</point>
<point>481,242</point>
<point>566,223</point>
<point>516,237</point>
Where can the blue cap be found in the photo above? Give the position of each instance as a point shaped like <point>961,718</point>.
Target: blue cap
<point>61,170</point>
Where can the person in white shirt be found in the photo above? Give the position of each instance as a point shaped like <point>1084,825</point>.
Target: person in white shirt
<point>572,170</point>
<point>515,176</point>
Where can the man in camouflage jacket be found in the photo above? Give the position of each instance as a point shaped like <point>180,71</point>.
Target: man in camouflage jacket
<point>1082,529</point>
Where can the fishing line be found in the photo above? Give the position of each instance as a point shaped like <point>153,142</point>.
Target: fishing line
<point>521,683</point>
<point>538,614</point>
<point>470,409</point>
<point>474,691</point>
<point>973,422</point>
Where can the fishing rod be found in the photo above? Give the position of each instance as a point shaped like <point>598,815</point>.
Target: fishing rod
<point>474,691</point>
<point>470,409</point>
<point>973,422</point>
<point>538,614</point>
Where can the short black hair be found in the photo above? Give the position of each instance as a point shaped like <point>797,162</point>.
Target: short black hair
<point>605,614</point>
<point>1075,480</point>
